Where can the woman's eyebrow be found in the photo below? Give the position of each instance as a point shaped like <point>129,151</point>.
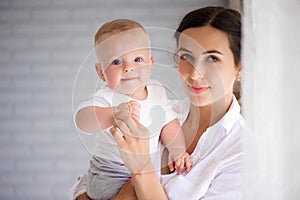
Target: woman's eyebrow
<point>212,51</point>
<point>205,52</point>
<point>184,49</point>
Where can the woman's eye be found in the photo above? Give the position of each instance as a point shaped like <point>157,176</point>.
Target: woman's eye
<point>212,59</point>
<point>138,59</point>
<point>186,57</point>
<point>116,62</point>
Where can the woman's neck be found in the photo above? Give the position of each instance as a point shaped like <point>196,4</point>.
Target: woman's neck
<point>202,117</point>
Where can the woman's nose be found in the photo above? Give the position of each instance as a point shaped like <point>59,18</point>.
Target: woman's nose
<point>195,73</point>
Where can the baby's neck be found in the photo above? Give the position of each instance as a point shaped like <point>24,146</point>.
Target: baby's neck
<point>140,94</point>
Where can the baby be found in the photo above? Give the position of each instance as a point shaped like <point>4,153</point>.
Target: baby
<point>124,62</point>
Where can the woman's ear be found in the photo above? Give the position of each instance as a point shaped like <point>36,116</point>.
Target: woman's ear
<point>99,71</point>
<point>239,72</point>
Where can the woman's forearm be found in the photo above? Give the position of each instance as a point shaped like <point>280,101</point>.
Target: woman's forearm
<point>141,186</point>
<point>83,196</point>
<point>147,186</point>
<point>127,192</point>
<point>133,143</point>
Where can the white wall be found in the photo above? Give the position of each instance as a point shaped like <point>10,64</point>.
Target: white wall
<point>271,99</point>
<point>42,45</point>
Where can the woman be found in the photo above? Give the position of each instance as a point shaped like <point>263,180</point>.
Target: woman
<point>209,64</point>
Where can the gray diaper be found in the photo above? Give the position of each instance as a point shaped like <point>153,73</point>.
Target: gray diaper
<point>105,178</point>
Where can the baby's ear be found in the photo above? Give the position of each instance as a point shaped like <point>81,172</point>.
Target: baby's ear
<point>99,71</point>
<point>152,63</point>
<point>152,60</point>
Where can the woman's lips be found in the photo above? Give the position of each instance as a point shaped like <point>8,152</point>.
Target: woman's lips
<point>198,90</point>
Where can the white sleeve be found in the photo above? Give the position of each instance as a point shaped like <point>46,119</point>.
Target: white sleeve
<point>99,99</point>
<point>181,108</point>
<point>170,113</point>
<point>160,98</point>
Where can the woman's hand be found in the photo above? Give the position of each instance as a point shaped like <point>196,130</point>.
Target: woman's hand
<point>133,142</point>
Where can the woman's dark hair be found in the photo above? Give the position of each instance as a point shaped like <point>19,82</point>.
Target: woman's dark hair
<point>223,19</point>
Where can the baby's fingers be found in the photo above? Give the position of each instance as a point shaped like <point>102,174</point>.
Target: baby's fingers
<point>179,165</point>
<point>188,164</point>
<point>135,104</point>
<point>134,108</point>
<point>171,167</point>
<point>135,114</point>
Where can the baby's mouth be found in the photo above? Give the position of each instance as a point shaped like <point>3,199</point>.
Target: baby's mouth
<point>129,78</point>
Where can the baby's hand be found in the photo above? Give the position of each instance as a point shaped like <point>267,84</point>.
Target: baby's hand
<point>180,162</point>
<point>132,107</point>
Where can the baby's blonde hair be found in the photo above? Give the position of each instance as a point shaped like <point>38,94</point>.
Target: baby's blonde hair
<point>116,26</point>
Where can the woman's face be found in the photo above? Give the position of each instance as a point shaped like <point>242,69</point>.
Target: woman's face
<point>206,65</point>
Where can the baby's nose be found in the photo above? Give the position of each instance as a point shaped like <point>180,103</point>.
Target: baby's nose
<point>127,68</point>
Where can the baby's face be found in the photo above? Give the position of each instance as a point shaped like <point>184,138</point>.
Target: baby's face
<point>126,61</point>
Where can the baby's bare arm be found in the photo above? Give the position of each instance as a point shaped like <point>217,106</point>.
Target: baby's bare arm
<point>93,118</point>
<point>172,137</point>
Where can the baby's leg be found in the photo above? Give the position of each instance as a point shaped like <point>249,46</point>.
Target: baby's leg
<point>105,178</point>
<point>79,187</point>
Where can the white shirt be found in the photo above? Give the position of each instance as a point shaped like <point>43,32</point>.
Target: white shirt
<point>155,112</point>
<point>216,171</point>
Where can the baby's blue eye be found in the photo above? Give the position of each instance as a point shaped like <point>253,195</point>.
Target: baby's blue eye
<point>116,62</point>
<point>138,59</point>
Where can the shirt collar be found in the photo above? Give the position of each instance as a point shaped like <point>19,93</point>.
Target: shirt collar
<point>219,130</point>
<point>231,116</point>
<point>229,119</point>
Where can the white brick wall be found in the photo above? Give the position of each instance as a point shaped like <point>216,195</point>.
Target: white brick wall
<point>42,44</point>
